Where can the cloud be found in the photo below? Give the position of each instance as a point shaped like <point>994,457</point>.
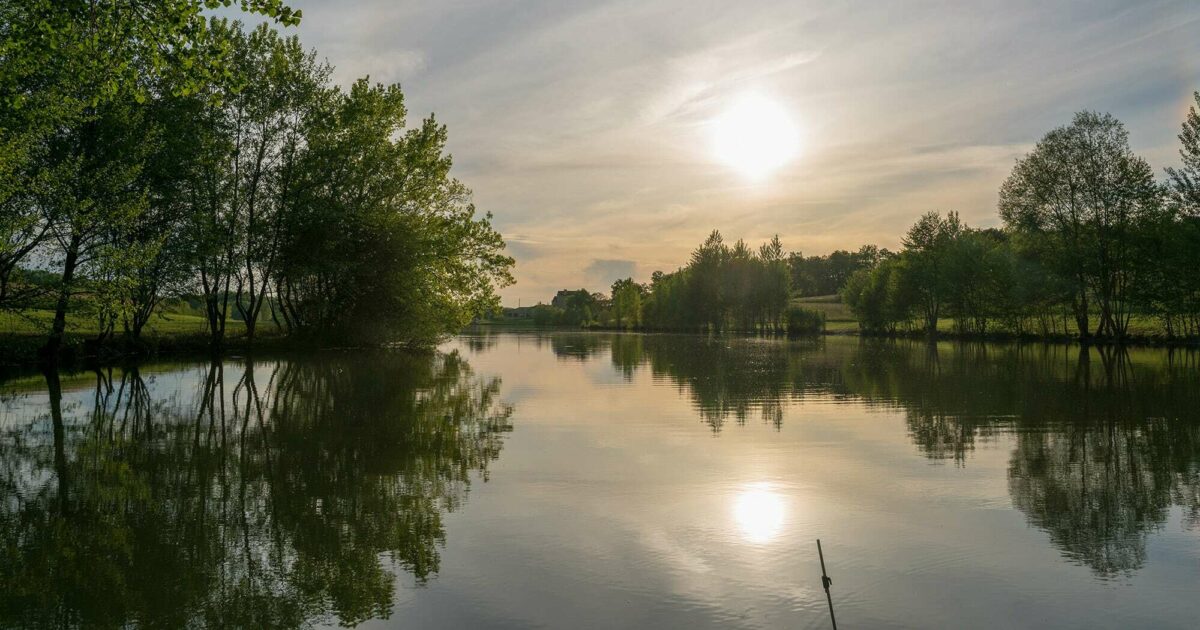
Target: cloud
<point>580,124</point>
<point>604,272</point>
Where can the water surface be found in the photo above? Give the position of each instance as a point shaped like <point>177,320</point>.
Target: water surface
<point>599,481</point>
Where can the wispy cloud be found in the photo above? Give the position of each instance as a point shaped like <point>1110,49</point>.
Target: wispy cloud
<point>581,124</point>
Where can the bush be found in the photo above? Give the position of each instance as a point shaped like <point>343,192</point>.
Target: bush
<point>804,321</point>
<point>546,315</point>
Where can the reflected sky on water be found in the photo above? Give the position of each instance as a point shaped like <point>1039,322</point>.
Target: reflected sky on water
<point>601,480</point>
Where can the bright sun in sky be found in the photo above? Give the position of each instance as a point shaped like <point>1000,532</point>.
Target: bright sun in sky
<point>755,136</point>
<point>759,513</point>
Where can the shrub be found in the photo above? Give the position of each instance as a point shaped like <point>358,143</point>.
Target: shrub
<point>804,321</point>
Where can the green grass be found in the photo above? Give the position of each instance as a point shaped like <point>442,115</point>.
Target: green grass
<point>839,318</point>
<point>38,322</point>
<point>507,322</point>
<point>837,315</point>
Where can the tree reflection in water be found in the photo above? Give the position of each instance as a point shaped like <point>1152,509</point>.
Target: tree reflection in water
<point>1107,440</point>
<point>281,494</point>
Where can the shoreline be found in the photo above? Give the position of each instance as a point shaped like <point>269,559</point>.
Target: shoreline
<point>1133,341</point>
<point>21,352</point>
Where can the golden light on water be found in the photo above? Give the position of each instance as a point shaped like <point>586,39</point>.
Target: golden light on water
<point>755,136</point>
<point>759,513</point>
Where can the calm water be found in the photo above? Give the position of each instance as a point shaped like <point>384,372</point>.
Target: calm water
<point>601,481</point>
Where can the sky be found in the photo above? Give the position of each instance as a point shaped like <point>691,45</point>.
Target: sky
<point>586,128</point>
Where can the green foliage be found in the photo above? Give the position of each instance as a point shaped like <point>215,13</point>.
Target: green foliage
<point>1084,192</point>
<point>579,307</point>
<point>928,247</point>
<point>1173,287</point>
<point>67,67</point>
<point>194,156</point>
<point>104,50</point>
<point>804,321</point>
<point>1088,233</point>
<point>880,297</point>
<point>409,259</point>
<point>627,303</point>
<point>722,288</point>
<point>547,315</point>
<point>826,275</point>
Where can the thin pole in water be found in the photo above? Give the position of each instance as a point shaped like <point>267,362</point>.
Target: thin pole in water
<point>825,581</point>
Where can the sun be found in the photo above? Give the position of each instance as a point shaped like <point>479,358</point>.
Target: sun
<point>755,136</point>
<point>759,513</point>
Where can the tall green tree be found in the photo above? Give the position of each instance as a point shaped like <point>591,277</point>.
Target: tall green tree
<point>627,303</point>
<point>1084,191</point>
<point>707,295</point>
<point>72,74</point>
<point>1174,285</point>
<point>927,248</point>
<point>773,286</point>
<point>880,297</point>
<point>268,116</point>
<point>93,196</point>
<point>380,241</point>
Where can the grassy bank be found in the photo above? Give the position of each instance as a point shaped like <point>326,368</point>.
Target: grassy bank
<point>22,334</point>
<point>38,322</point>
<point>840,320</point>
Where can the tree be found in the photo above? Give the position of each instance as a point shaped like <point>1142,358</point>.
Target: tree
<point>106,49</point>
<point>1084,191</point>
<point>1174,287</point>
<point>1185,181</point>
<point>379,242</point>
<point>627,303</point>
<point>93,197</point>
<point>666,305</point>
<point>73,74</point>
<point>721,288</point>
<point>21,229</point>
<point>774,282</point>
<point>826,275</point>
<point>880,297</point>
<point>927,247</point>
<point>707,300</point>
<point>267,118</point>
<point>158,237</point>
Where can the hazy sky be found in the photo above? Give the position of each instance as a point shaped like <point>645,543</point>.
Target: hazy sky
<point>584,126</point>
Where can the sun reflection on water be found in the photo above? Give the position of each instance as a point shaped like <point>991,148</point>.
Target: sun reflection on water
<point>759,513</point>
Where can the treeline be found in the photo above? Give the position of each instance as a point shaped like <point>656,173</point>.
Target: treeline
<point>1091,246</point>
<point>826,275</point>
<point>1091,243</point>
<point>722,288</point>
<point>149,152</point>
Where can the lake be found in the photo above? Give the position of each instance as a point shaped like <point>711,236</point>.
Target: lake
<point>577,480</point>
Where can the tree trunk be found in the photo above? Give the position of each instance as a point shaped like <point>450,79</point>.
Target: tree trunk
<point>1081,315</point>
<point>54,342</point>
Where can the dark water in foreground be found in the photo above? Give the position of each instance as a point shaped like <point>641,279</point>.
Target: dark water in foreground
<point>599,481</point>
